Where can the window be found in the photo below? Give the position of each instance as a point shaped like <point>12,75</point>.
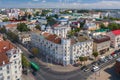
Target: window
<point>8,77</point>
<point>15,66</point>
<point>8,72</point>
<point>15,76</point>
<point>15,71</point>
<point>14,56</point>
<point>0,68</point>
<point>15,62</point>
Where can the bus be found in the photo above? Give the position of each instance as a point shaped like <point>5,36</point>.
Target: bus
<point>34,66</point>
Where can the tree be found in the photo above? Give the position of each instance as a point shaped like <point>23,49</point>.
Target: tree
<point>22,27</point>
<point>81,58</point>
<point>56,16</point>
<point>38,27</point>
<point>114,26</point>
<point>35,51</point>
<point>85,59</point>
<point>50,20</point>
<point>12,36</point>
<point>25,62</point>
<point>3,30</point>
<point>102,26</point>
<point>5,20</point>
<point>82,24</point>
<point>95,54</point>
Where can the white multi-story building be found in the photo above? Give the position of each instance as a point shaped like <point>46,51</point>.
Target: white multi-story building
<point>61,31</point>
<point>10,61</point>
<point>62,50</point>
<point>115,38</point>
<point>90,26</point>
<point>24,37</point>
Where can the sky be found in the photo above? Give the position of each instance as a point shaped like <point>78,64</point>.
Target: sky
<point>81,4</point>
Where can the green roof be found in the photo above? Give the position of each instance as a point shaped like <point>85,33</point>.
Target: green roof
<point>102,30</point>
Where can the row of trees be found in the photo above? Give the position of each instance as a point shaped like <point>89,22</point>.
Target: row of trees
<point>111,26</point>
<point>22,27</point>
<point>72,32</point>
<point>84,58</point>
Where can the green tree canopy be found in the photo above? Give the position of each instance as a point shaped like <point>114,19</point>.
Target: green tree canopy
<point>50,20</point>
<point>102,26</point>
<point>3,30</point>
<point>114,26</point>
<point>38,27</point>
<point>12,36</point>
<point>5,20</point>
<point>95,54</point>
<point>22,27</point>
<point>25,62</point>
<point>35,50</point>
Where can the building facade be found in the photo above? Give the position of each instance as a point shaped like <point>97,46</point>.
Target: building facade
<point>61,31</point>
<point>62,50</point>
<point>101,44</point>
<point>115,38</point>
<point>10,61</point>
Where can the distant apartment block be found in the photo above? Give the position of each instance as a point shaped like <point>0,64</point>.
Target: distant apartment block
<point>59,30</point>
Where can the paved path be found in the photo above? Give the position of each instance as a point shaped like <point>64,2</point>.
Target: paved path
<point>28,77</point>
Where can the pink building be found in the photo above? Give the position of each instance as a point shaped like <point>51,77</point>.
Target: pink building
<point>115,38</point>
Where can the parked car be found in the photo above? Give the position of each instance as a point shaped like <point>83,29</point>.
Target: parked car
<point>86,69</point>
<point>110,57</point>
<point>31,56</point>
<point>95,68</point>
<point>83,67</point>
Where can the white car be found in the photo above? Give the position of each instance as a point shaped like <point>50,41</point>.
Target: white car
<point>95,68</point>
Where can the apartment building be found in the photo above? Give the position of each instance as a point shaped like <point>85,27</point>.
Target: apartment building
<point>115,38</point>
<point>60,30</point>
<point>62,50</point>
<point>24,37</point>
<point>90,26</point>
<point>10,61</point>
<point>101,43</point>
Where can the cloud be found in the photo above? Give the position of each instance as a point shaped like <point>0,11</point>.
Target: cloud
<point>35,0</point>
<point>103,4</point>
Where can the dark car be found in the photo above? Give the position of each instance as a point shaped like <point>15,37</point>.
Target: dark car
<point>83,67</point>
<point>31,56</point>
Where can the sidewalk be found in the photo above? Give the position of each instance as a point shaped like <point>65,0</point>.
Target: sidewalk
<point>28,77</point>
<point>60,68</point>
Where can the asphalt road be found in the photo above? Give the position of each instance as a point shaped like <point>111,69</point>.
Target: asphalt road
<point>47,74</point>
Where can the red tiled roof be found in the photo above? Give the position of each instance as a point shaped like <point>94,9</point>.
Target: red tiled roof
<point>46,34</point>
<point>116,32</point>
<point>3,59</point>
<point>4,46</point>
<point>54,38</point>
<point>11,25</point>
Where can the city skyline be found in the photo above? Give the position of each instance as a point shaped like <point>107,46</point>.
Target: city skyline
<point>87,4</point>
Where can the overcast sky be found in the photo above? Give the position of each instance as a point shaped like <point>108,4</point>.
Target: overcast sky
<point>89,4</point>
